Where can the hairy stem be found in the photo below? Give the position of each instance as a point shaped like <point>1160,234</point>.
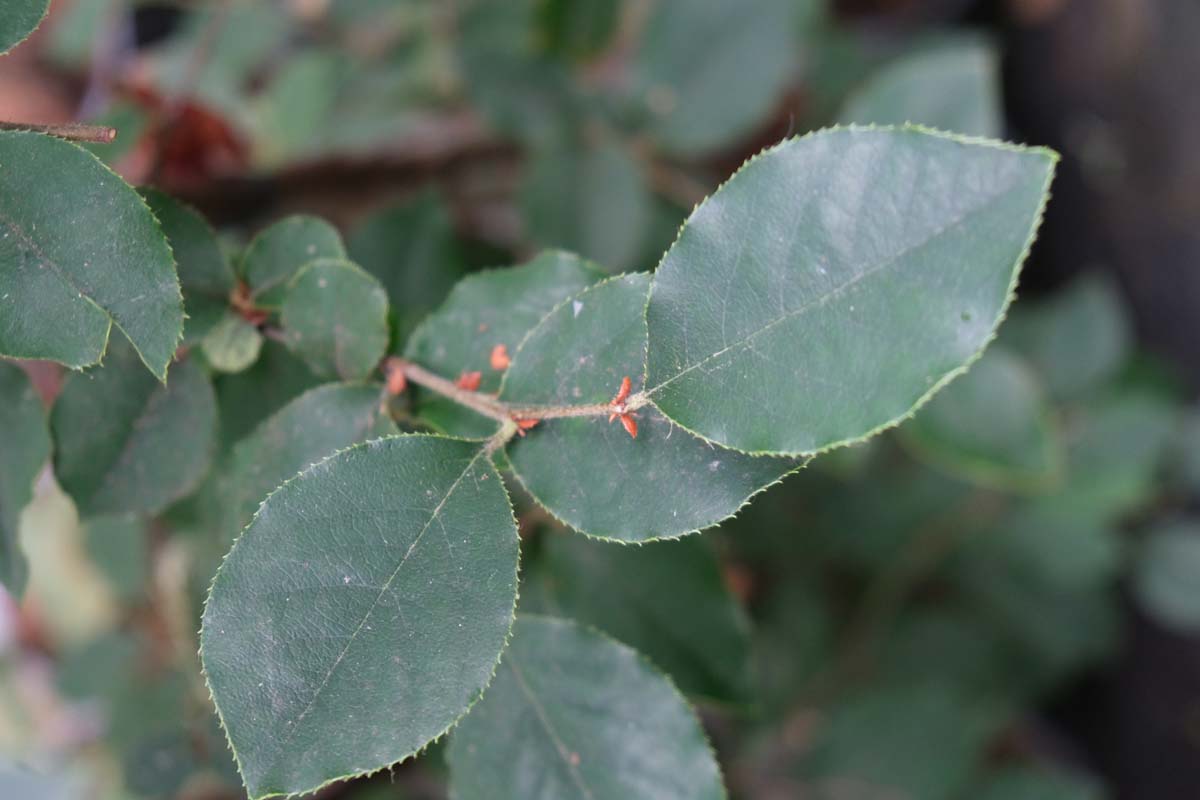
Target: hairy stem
<point>73,131</point>
<point>489,406</point>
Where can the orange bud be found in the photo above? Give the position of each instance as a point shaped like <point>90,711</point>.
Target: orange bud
<point>469,381</point>
<point>525,424</point>
<point>623,392</point>
<point>396,382</point>
<point>500,359</point>
<point>630,424</point>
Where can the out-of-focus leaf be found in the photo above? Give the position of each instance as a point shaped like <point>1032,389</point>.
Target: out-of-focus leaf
<point>531,736</point>
<point>588,471</point>
<point>579,27</point>
<point>334,316</point>
<point>666,599</point>
<point>1167,579</point>
<point>126,443</point>
<point>992,426</point>
<point>296,106</point>
<point>248,397</point>
<point>411,248</point>
<point>1025,783</point>
<point>508,73</point>
<point>26,447</point>
<point>953,86</point>
<point>486,310</point>
<point>1077,339</point>
<point>592,200</point>
<point>708,71</point>
<point>923,740</point>
<point>232,344</point>
<point>119,546</point>
<point>204,273</point>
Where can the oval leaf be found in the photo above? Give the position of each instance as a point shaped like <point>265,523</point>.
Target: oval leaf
<point>663,586</point>
<point>25,450</point>
<point>335,317</point>
<point>233,344</point>
<point>573,713</point>
<point>311,427</point>
<point>361,612</point>
<point>80,251</point>
<point>992,426</point>
<point>587,471</point>
<point>126,443</point>
<point>836,282</point>
<point>278,252</point>
<point>484,311</point>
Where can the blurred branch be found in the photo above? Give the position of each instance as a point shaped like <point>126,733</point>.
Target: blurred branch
<point>73,131</point>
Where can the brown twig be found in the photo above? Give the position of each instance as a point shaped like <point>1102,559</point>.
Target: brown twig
<point>73,131</point>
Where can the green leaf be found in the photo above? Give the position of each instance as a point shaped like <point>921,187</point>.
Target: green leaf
<point>992,426</point>
<point>311,427</point>
<point>836,281</point>
<point>1078,339</point>
<point>361,612</point>
<point>592,200</point>
<point>247,398</point>
<point>412,250</point>
<point>126,443</point>
<point>20,18</point>
<point>1167,579</point>
<point>579,28</point>
<point>80,252</point>
<point>587,471</point>
<point>278,252</point>
<point>708,71</point>
<point>572,713</point>
<point>486,309</point>
<point>509,77</point>
<point>334,316</point>
<point>204,273</point>
<point>906,741</point>
<point>954,86</point>
<point>119,545</point>
<point>233,344</point>
<point>26,448</point>
<point>1026,783</point>
<point>666,599</point>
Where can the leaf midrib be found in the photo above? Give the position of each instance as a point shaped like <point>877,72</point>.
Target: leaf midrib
<point>838,291</point>
<point>375,604</point>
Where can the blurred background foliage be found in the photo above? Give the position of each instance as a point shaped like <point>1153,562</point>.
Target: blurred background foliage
<point>999,600</point>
